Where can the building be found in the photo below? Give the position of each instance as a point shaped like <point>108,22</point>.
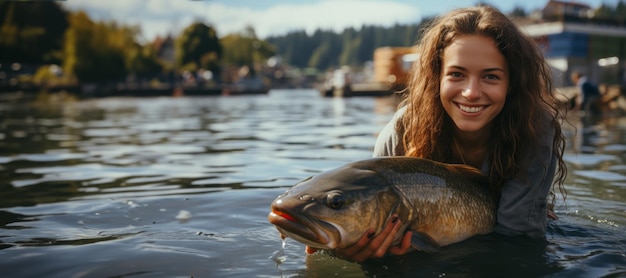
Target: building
<point>573,40</point>
<point>559,9</point>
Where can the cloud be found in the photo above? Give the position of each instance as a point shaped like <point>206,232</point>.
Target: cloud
<point>329,14</point>
<point>160,17</point>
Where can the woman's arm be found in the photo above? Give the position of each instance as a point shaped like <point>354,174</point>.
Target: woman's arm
<point>523,202</point>
<point>388,138</point>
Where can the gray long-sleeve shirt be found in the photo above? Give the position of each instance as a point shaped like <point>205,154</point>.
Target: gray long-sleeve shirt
<point>523,202</point>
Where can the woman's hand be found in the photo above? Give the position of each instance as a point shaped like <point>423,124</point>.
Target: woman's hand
<point>369,247</point>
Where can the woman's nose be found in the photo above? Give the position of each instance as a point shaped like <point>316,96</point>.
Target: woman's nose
<point>472,91</point>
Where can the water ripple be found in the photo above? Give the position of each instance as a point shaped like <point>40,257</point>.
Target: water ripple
<point>94,188</point>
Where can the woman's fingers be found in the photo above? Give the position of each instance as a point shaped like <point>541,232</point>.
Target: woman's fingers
<point>370,246</point>
<point>378,245</point>
<point>388,240</point>
<point>405,245</point>
<point>360,245</point>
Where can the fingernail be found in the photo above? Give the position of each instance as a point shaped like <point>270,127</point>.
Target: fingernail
<point>395,219</point>
<point>370,235</point>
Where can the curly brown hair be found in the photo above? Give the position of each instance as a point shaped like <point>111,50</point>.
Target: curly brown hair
<point>530,110</point>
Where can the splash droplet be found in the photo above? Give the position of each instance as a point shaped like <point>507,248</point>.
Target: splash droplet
<point>183,215</point>
<point>279,256</point>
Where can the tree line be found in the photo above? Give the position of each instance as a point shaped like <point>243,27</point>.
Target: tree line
<point>326,49</point>
<point>46,35</point>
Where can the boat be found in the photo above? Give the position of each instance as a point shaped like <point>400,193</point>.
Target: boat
<point>390,74</point>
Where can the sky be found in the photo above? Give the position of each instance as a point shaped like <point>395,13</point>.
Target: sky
<point>277,17</point>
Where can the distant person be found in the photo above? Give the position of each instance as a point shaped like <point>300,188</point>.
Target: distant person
<point>589,96</point>
<point>481,95</point>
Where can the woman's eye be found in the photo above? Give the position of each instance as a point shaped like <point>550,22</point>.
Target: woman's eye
<point>455,74</point>
<point>335,200</point>
<point>492,77</point>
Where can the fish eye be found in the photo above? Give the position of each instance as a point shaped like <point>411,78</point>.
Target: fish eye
<point>335,200</point>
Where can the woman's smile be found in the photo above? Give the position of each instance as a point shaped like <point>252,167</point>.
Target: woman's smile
<point>473,109</point>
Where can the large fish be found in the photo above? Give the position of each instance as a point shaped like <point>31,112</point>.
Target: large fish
<point>441,203</point>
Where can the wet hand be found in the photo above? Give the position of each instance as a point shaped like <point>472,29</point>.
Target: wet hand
<point>370,246</point>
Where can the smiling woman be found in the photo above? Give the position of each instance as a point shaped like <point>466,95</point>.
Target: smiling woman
<point>464,105</point>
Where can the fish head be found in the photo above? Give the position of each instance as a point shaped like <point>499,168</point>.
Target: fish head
<point>333,209</point>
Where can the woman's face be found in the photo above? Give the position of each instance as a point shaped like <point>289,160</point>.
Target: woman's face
<point>474,82</point>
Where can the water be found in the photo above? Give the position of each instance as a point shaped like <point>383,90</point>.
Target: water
<point>181,187</point>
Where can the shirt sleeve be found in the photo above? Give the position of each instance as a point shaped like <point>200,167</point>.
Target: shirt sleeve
<point>388,137</point>
<point>523,202</point>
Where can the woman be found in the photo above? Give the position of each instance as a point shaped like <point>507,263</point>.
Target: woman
<point>480,94</point>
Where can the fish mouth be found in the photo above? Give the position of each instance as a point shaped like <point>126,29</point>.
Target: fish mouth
<point>310,231</point>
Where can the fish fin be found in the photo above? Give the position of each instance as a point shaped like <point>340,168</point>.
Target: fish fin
<point>470,172</point>
<point>423,242</point>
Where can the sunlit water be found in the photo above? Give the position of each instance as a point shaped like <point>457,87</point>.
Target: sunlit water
<point>181,187</point>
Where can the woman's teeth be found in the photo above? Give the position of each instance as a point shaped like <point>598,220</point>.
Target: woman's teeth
<point>471,109</point>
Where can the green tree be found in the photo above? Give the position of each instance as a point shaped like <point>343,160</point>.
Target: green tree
<point>604,11</point>
<point>296,47</point>
<point>620,11</point>
<point>31,32</point>
<point>199,48</point>
<point>94,52</point>
<point>321,57</point>
<point>143,61</point>
<point>236,50</point>
<point>240,50</point>
<point>246,49</point>
<point>367,44</point>
<point>326,55</point>
<point>518,12</point>
<point>351,44</point>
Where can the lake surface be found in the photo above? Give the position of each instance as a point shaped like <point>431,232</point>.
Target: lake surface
<point>181,187</point>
